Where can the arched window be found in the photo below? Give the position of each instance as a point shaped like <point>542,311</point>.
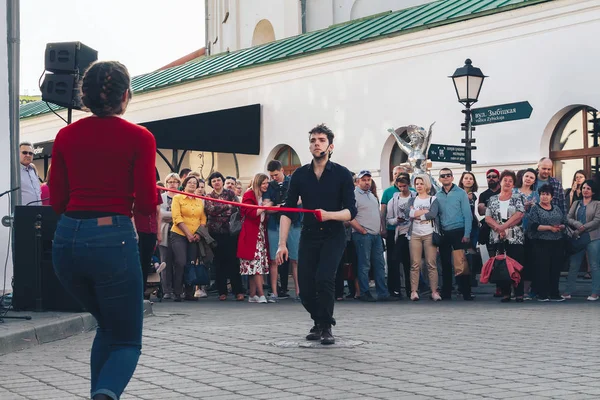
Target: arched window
<point>575,144</point>
<point>263,33</point>
<point>289,159</point>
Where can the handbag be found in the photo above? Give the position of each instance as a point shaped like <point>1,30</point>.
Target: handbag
<point>500,275</point>
<point>196,274</point>
<point>436,237</point>
<point>235,222</point>
<point>461,266</point>
<point>578,243</point>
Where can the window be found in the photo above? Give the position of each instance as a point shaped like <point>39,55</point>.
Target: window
<point>575,144</point>
<point>289,159</point>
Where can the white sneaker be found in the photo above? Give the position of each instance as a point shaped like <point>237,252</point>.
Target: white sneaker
<point>161,267</point>
<point>592,298</point>
<point>262,299</point>
<point>167,296</point>
<point>253,299</point>
<point>273,299</point>
<point>197,293</point>
<point>435,296</point>
<point>201,293</point>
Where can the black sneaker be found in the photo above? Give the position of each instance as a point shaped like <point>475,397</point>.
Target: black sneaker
<point>327,337</point>
<point>177,298</point>
<point>367,297</point>
<point>314,334</point>
<point>283,296</point>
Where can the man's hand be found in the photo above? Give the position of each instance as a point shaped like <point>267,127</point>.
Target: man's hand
<point>196,237</point>
<point>581,229</point>
<point>282,254</point>
<point>190,238</point>
<point>465,240</point>
<point>362,231</point>
<point>159,236</point>
<point>324,215</point>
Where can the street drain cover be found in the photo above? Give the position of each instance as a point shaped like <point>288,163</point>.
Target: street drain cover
<point>339,342</point>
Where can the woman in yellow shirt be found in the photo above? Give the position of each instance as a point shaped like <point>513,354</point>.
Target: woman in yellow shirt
<point>188,216</point>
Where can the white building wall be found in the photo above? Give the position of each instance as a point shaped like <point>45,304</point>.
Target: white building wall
<point>361,91</point>
<point>4,152</point>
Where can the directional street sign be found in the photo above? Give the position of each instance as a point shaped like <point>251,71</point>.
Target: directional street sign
<point>501,113</point>
<point>445,153</point>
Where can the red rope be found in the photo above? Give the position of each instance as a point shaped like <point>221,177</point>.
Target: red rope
<point>234,203</point>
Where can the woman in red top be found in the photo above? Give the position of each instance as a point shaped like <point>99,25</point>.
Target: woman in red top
<point>252,243</point>
<point>100,165</point>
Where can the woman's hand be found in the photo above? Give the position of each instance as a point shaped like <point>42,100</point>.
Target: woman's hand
<point>581,229</point>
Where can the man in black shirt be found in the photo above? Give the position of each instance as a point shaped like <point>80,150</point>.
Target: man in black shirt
<point>327,187</point>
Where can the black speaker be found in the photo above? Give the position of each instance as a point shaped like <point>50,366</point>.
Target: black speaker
<point>69,57</point>
<point>62,90</point>
<point>33,263</point>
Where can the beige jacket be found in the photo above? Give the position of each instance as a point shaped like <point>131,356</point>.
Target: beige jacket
<point>592,216</point>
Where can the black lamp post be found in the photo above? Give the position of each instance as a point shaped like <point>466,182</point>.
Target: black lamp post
<point>467,83</point>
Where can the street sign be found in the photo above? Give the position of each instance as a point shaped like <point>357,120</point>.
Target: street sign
<point>501,113</point>
<point>445,153</point>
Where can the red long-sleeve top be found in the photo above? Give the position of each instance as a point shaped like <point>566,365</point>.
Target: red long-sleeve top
<point>103,165</point>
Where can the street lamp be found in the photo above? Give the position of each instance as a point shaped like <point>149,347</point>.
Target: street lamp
<point>467,84</point>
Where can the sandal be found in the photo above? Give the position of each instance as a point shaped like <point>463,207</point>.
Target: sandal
<point>223,297</point>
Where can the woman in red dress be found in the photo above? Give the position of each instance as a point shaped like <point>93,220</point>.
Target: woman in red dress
<point>252,242</point>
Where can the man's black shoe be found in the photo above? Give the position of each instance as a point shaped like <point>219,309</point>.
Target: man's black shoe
<point>367,297</point>
<point>282,296</point>
<point>327,337</point>
<point>314,334</point>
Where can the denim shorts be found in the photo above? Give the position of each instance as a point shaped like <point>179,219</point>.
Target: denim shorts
<point>293,242</point>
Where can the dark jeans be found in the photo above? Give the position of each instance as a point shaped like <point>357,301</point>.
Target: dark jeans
<point>393,263</point>
<point>452,240</point>
<point>402,254</point>
<point>181,253</point>
<point>320,252</point>
<point>548,256</point>
<point>146,245</point>
<point>228,265</point>
<point>516,252</point>
<point>97,261</point>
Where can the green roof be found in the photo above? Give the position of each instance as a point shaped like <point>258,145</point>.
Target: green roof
<point>426,16</point>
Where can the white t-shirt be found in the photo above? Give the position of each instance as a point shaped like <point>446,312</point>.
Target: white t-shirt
<point>422,227</point>
<point>504,209</point>
<point>401,203</point>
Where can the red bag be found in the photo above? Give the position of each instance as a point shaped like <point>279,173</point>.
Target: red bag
<point>514,268</point>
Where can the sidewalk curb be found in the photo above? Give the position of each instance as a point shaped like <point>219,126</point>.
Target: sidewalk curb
<point>60,328</point>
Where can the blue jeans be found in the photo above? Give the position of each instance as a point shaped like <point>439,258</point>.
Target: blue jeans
<point>97,261</point>
<point>593,256</point>
<point>369,249</point>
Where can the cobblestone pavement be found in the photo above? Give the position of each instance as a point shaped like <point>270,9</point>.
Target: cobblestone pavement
<point>448,350</point>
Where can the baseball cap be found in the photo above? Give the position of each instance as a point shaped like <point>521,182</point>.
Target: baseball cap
<point>363,173</point>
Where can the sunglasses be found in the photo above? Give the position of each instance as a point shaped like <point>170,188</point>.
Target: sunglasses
<point>27,153</point>
<point>492,176</point>
<point>445,176</point>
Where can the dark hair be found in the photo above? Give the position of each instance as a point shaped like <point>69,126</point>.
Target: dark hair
<point>215,175</point>
<point>403,175</point>
<point>159,183</point>
<point>402,179</point>
<point>185,171</point>
<point>475,187</point>
<point>508,172</point>
<point>579,171</point>
<point>546,188</point>
<point>230,177</point>
<point>103,86</point>
<point>186,180</point>
<point>274,165</point>
<point>592,184</point>
<point>200,180</point>
<point>446,169</point>
<point>322,129</point>
<point>521,175</point>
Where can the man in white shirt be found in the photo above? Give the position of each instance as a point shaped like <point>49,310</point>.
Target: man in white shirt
<point>31,192</point>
